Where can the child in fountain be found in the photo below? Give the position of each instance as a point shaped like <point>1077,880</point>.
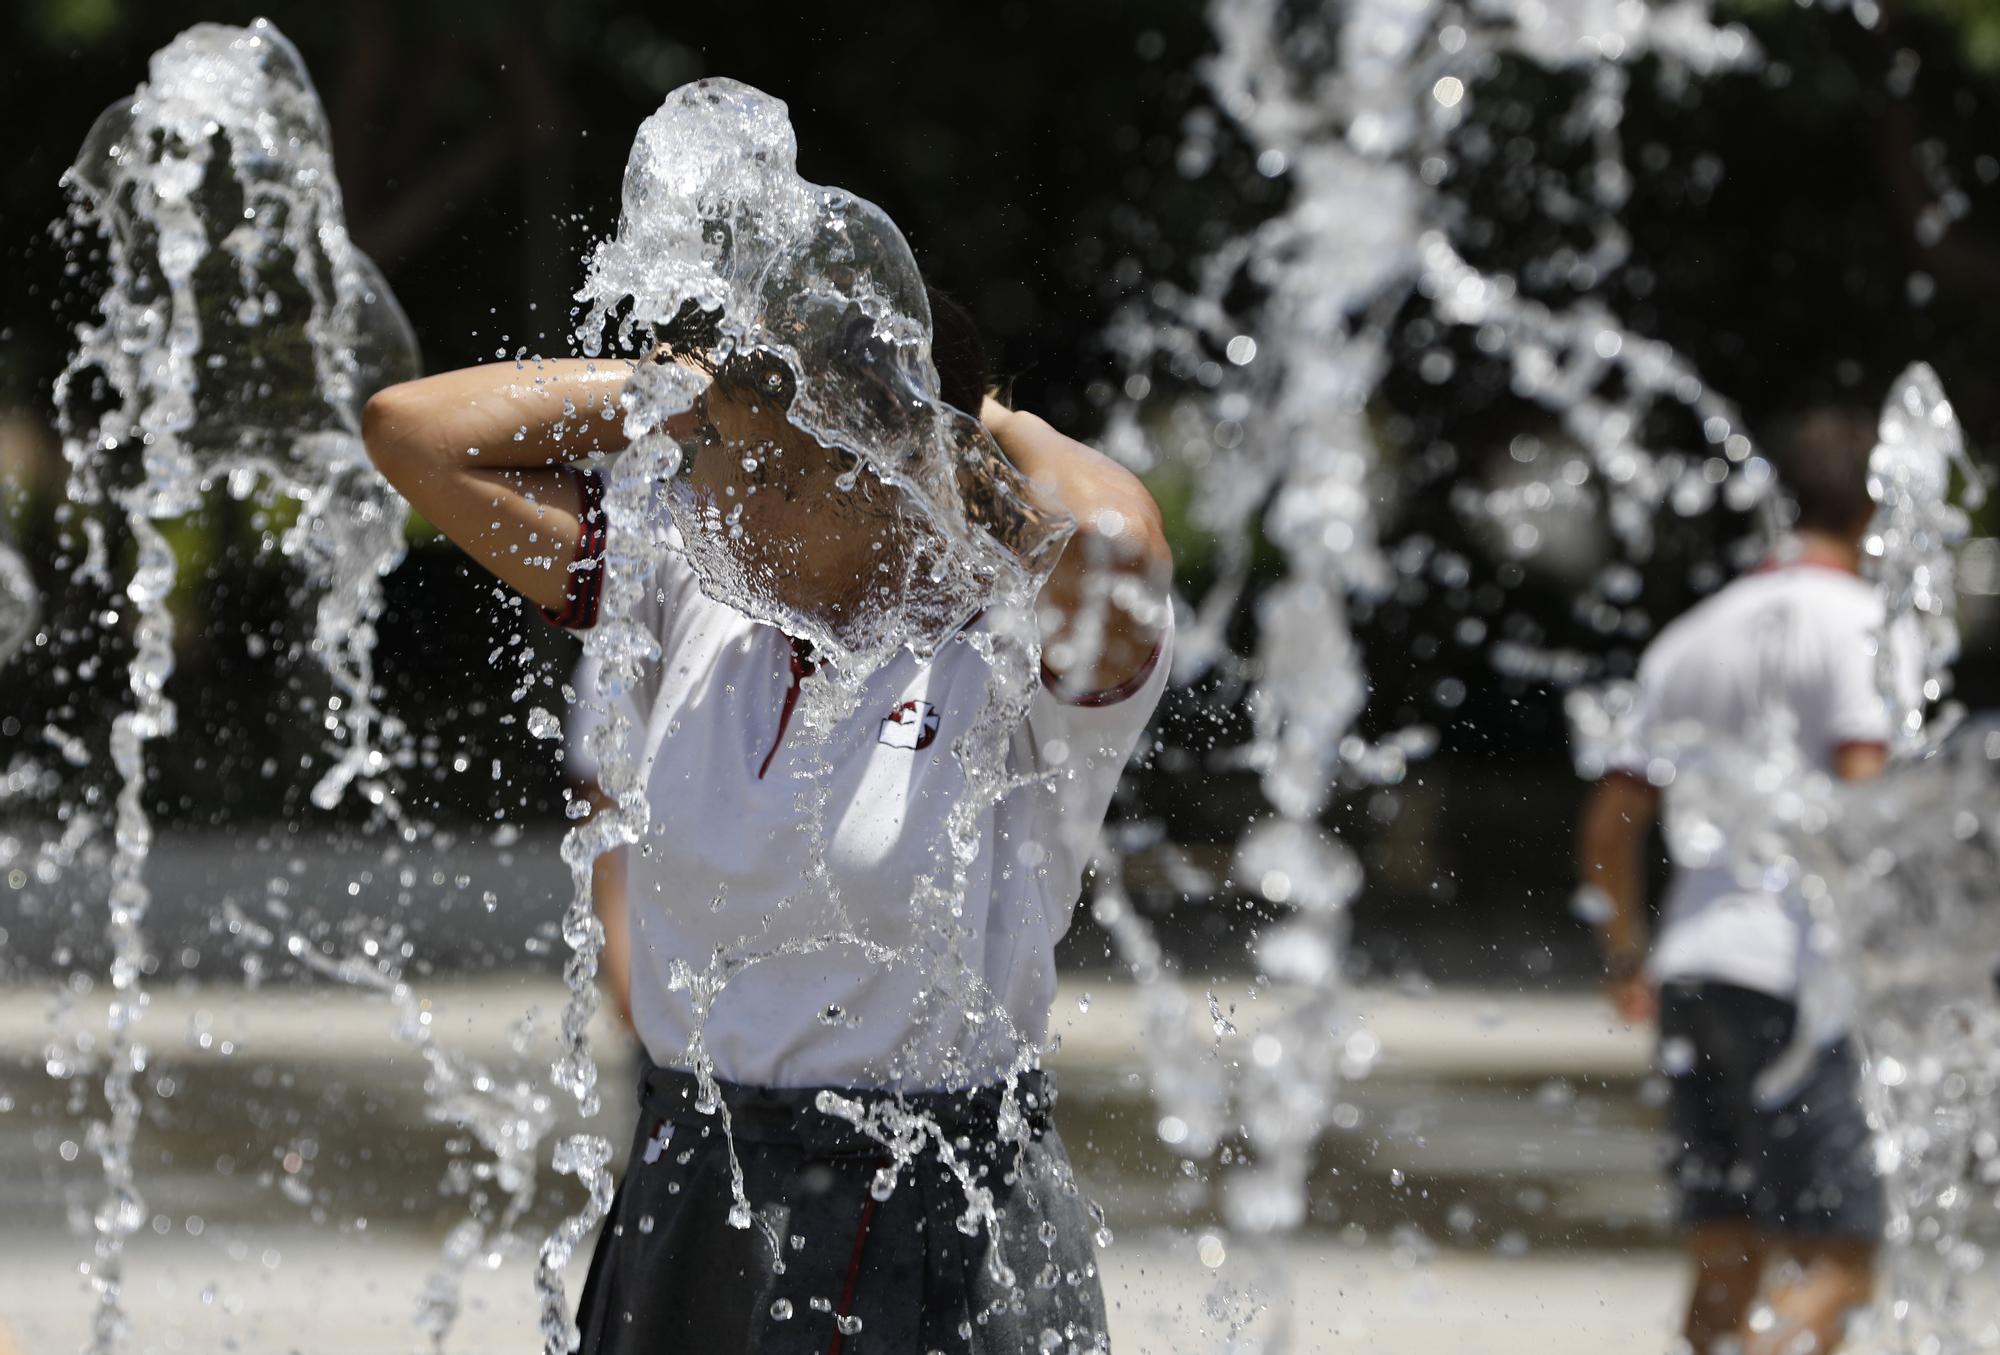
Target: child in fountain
<point>1787,652</point>
<point>885,1264</point>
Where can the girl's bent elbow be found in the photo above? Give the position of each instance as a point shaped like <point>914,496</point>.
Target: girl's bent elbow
<point>382,420</point>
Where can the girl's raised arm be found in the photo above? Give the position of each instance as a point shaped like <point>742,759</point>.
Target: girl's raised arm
<point>481,453</point>
<point>1113,578</point>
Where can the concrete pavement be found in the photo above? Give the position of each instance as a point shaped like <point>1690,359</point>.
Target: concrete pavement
<point>318,1294</point>
<point>1506,1130</point>
<point>1101,1021</point>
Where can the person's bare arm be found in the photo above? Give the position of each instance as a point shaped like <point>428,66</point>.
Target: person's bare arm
<point>1860,761</point>
<point>608,899</point>
<point>1117,566</point>
<point>1610,851</point>
<point>479,453</point>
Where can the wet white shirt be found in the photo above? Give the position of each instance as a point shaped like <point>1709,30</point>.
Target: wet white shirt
<point>724,871</point>
<point>1786,652</point>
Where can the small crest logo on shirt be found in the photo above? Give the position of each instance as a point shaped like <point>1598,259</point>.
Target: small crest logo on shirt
<point>913,724</point>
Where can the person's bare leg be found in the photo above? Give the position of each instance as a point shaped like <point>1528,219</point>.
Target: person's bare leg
<point>1833,1278</point>
<point>1728,1262</point>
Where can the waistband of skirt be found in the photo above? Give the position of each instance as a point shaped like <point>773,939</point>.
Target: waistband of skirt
<point>792,1115</point>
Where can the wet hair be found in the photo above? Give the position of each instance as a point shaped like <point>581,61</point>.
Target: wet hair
<point>1822,457</point>
<point>958,351</point>
<point>693,335</point>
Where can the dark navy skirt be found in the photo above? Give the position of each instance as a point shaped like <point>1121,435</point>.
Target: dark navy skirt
<point>843,1253</point>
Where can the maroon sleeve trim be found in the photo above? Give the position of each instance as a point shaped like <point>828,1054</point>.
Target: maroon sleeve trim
<point>586,571</point>
<point>1109,696</point>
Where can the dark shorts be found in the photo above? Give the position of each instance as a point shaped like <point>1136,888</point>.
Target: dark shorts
<point>867,1265</point>
<point>1805,1168</point>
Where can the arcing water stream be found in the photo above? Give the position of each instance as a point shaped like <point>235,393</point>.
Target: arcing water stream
<point>1357,105</point>
<point>1282,344</point>
<point>239,336</point>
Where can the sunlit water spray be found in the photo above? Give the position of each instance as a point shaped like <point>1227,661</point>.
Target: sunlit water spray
<point>1282,341</point>
<point>1894,878</point>
<point>816,289</point>
<point>240,334</point>
<point>1362,109</point>
<point>20,605</point>
<point>1899,877</point>
<point>20,613</point>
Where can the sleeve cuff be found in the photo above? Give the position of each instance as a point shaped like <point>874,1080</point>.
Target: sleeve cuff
<point>1108,696</point>
<point>586,570</point>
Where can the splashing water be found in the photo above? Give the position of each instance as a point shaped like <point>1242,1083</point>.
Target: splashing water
<point>1895,876</point>
<point>240,334</point>
<point>716,217</point>
<point>1910,921</point>
<point>622,644</point>
<point>509,1120</point>
<point>813,300</point>
<point>1918,525</point>
<point>1900,882</point>
<point>20,606</point>
<point>1357,106</point>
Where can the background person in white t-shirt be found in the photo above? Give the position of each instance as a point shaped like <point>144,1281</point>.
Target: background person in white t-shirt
<point>739,865</point>
<point>1781,661</point>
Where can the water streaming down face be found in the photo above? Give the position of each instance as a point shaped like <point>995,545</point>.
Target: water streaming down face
<point>817,297</point>
<point>797,453</point>
<point>20,612</point>
<point>1358,106</point>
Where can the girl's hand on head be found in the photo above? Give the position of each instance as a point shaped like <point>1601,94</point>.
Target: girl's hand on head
<point>480,453</point>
